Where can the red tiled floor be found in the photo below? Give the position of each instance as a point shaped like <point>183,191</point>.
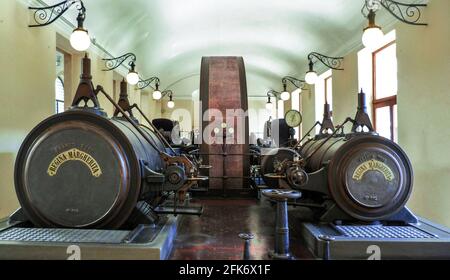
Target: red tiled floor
<point>214,235</point>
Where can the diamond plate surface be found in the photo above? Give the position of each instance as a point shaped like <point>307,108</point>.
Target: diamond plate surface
<point>383,232</point>
<point>63,235</point>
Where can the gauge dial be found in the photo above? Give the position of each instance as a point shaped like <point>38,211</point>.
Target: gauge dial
<point>293,118</point>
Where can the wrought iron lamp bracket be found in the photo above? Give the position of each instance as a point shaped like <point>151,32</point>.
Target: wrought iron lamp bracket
<point>407,13</point>
<point>167,92</point>
<point>273,93</point>
<point>147,82</point>
<point>113,63</point>
<point>44,16</point>
<point>294,81</point>
<point>334,63</point>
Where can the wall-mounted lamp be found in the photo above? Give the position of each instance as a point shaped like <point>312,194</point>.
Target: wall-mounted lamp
<point>44,16</point>
<point>157,94</point>
<point>285,95</point>
<point>331,62</point>
<point>269,104</point>
<point>113,63</point>
<point>298,84</point>
<point>271,93</point>
<point>171,103</point>
<point>407,13</point>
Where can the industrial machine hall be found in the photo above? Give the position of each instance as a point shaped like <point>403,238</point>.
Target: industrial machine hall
<point>270,131</point>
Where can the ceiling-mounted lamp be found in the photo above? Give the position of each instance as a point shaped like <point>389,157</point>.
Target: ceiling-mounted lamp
<point>113,63</point>
<point>407,13</point>
<point>298,84</point>
<point>43,16</point>
<point>329,61</point>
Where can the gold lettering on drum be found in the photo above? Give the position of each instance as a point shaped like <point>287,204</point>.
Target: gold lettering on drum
<point>74,154</point>
<point>373,165</point>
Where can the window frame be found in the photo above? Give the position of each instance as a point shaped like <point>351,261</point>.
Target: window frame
<point>390,101</point>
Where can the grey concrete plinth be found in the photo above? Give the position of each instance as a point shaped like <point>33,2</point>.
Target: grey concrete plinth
<point>148,243</point>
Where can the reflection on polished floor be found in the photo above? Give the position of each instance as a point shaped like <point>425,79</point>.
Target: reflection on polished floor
<point>214,235</point>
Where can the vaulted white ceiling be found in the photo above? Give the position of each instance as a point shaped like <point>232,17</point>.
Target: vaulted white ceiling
<point>169,37</point>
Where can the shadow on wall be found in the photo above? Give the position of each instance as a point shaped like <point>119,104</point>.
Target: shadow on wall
<point>7,206</point>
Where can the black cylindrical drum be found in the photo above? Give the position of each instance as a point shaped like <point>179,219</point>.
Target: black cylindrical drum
<point>79,169</point>
<point>369,177</point>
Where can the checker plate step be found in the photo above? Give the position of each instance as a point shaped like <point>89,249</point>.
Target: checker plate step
<point>380,231</point>
<point>64,235</point>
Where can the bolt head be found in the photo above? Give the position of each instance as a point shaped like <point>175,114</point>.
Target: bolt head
<point>246,236</point>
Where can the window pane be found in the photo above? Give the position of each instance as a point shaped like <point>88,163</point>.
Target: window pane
<point>329,91</point>
<point>59,106</point>
<point>59,95</point>
<point>320,88</point>
<point>59,89</point>
<point>59,83</point>
<point>386,72</point>
<point>395,124</point>
<point>280,109</point>
<point>383,121</point>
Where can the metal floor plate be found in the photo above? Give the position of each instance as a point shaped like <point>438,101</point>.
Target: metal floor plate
<point>380,231</point>
<point>64,235</point>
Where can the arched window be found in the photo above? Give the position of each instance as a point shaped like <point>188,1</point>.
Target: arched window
<point>59,95</point>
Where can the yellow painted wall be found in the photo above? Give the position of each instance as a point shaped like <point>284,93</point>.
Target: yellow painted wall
<point>308,105</point>
<point>345,89</point>
<point>287,106</point>
<point>27,76</point>
<point>103,78</point>
<point>151,107</point>
<point>424,109</point>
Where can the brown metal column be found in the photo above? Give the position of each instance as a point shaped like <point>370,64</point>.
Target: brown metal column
<point>223,86</point>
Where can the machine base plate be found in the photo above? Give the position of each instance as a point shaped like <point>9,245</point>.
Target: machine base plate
<point>145,242</point>
<point>424,240</point>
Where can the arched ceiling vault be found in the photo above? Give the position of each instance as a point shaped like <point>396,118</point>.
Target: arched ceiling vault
<point>169,37</point>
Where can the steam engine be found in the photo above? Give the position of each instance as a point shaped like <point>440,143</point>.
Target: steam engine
<point>81,169</point>
<point>345,176</point>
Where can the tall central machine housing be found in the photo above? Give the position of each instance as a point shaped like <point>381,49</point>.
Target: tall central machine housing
<point>223,86</point>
